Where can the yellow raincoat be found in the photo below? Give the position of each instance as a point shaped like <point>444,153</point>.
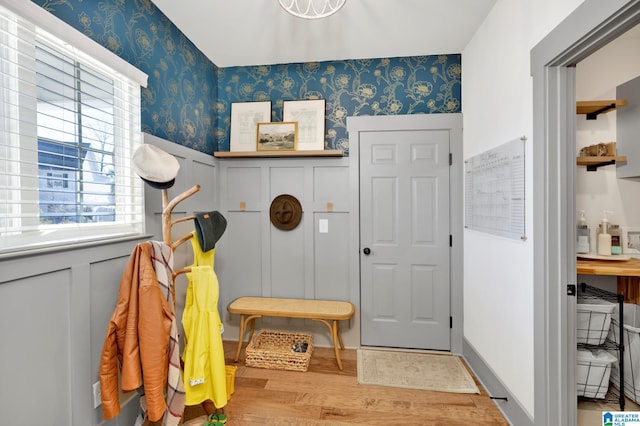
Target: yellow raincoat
<point>203,356</point>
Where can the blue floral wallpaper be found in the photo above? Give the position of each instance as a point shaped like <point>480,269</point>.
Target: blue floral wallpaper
<point>177,104</point>
<point>388,86</point>
<point>188,98</point>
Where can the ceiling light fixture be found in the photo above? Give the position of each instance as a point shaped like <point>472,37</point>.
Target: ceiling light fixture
<point>311,9</point>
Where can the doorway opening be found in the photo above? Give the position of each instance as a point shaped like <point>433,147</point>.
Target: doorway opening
<point>605,189</point>
<point>590,27</point>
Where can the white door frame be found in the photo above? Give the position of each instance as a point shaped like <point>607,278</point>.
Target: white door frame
<point>592,25</point>
<point>452,122</point>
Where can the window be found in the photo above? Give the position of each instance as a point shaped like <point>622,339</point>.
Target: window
<point>68,126</point>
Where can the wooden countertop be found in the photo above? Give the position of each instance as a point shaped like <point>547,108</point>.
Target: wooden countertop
<point>621,268</point>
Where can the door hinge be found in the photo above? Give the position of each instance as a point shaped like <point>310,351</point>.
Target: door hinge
<point>450,240</point>
<point>450,159</point>
<point>450,322</point>
<point>571,289</point>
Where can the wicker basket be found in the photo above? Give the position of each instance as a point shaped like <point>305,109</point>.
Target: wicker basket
<point>273,349</point>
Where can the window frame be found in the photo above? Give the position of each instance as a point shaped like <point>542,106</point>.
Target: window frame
<point>75,234</point>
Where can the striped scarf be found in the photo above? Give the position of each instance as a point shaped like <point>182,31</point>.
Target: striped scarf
<point>162,258</point>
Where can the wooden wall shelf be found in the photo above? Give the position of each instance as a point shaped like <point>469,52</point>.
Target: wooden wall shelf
<point>593,163</point>
<point>275,154</point>
<point>593,108</point>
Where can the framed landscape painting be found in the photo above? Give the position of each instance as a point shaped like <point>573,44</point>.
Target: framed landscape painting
<point>282,136</point>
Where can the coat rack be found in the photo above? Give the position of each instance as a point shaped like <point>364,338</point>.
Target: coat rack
<point>167,224</point>
<point>167,209</point>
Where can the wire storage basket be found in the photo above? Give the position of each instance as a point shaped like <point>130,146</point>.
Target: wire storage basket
<point>599,335</point>
<point>593,372</point>
<point>280,350</point>
<point>631,354</point>
<point>593,320</point>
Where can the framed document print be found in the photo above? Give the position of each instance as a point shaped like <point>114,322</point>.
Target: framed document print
<point>631,241</point>
<point>245,117</point>
<point>310,118</point>
<point>277,136</point>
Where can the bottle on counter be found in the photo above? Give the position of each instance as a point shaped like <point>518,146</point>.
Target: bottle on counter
<point>604,238</point>
<point>583,235</point>
<point>616,240</point>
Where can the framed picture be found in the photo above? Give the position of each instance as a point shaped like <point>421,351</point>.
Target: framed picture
<point>631,241</point>
<point>281,136</point>
<point>310,118</point>
<point>245,117</point>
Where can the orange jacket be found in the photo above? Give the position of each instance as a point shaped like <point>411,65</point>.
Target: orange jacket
<point>137,339</point>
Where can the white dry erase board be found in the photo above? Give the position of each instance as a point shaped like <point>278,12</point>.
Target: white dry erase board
<point>495,191</point>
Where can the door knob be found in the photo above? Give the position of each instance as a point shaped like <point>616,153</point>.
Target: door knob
<point>366,251</point>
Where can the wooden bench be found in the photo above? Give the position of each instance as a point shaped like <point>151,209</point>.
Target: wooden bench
<point>324,311</point>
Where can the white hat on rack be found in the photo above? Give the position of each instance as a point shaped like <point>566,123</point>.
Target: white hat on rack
<point>155,166</point>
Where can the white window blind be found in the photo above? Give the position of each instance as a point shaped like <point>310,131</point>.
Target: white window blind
<point>68,127</point>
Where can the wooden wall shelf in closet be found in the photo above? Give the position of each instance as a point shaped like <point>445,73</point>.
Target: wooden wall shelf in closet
<point>593,163</point>
<point>593,108</point>
<point>274,154</point>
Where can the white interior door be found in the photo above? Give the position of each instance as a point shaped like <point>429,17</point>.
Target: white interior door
<point>405,239</point>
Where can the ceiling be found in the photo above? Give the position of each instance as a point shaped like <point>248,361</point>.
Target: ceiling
<point>260,32</point>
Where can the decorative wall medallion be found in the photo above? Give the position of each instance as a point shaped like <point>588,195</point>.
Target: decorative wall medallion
<point>285,212</point>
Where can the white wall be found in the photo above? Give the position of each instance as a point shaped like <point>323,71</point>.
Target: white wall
<point>497,107</point>
<point>596,79</point>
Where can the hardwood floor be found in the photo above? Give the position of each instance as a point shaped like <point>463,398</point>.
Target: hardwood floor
<point>590,411</point>
<point>324,395</point>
